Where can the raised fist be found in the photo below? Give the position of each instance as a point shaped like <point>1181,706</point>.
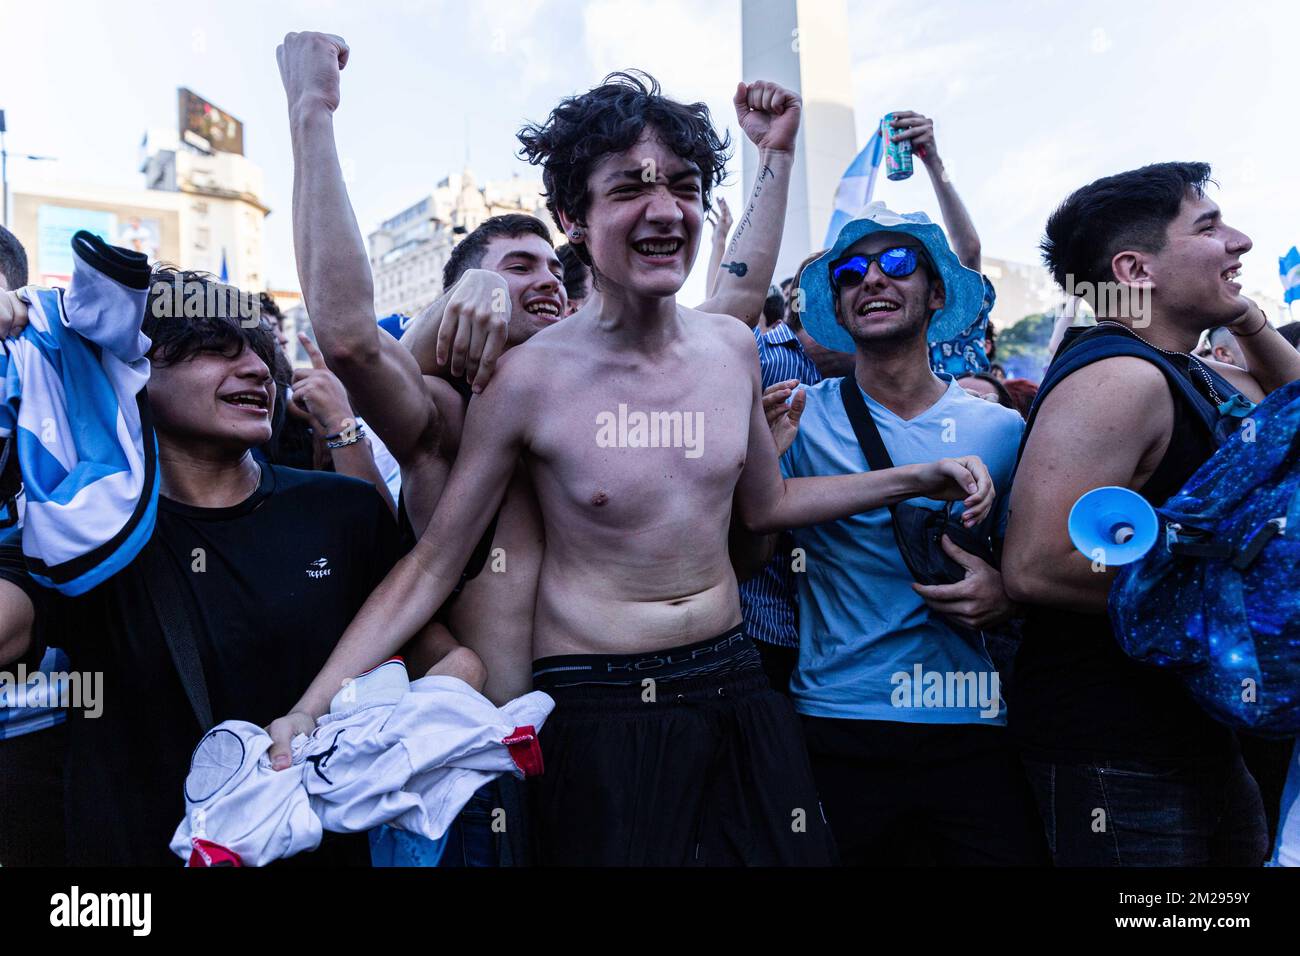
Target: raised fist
<point>310,64</point>
<point>769,114</point>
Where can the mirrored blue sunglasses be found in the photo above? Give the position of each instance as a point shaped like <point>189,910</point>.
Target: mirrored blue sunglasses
<point>897,263</point>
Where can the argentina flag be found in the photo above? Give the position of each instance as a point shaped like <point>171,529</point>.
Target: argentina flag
<point>856,186</point>
<point>73,408</point>
<point>1289,267</point>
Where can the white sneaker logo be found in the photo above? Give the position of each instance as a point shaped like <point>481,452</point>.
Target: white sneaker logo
<point>320,568</point>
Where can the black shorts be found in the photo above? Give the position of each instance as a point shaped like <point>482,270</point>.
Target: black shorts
<point>686,757</point>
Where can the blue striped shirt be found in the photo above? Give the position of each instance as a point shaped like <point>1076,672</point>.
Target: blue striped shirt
<point>767,599</point>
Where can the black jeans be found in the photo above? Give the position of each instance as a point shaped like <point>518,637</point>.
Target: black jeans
<point>1133,813</point>
<point>493,829</point>
<point>924,794</point>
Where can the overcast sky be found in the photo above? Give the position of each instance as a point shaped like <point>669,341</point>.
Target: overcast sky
<point>1031,99</point>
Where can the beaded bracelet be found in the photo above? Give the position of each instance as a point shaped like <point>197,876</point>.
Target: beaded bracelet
<point>338,441</point>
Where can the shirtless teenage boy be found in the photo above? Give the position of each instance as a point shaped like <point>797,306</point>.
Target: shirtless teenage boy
<point>502,285</point>
<point>667,744</point>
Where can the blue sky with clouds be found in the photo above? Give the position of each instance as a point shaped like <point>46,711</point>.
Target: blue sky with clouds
<point>1031,99</point>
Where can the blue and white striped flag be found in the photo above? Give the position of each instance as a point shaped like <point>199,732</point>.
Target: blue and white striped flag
<point>1289,267</point>
<point>856,186</point>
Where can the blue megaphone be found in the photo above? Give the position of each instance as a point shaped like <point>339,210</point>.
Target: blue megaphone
<point>1113,525</point>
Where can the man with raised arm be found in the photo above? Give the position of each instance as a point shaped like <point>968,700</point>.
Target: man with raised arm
<point>419,416</point>
<point>640,422</point>
<point>503,284</point>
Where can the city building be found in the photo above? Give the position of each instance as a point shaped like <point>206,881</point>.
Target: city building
<point>409,250</point>
<point>45,217</point>
<point>200,206</point>
<point>219,199</point>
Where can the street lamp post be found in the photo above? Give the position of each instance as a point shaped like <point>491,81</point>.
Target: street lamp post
<point>4,171</point>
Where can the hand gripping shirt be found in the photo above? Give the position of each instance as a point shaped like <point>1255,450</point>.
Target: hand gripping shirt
<point>389,751</point>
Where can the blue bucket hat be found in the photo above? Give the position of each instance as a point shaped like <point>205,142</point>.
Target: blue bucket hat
<point>963,288</point>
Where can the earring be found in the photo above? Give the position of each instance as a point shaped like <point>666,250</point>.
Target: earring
<point>576,233</point>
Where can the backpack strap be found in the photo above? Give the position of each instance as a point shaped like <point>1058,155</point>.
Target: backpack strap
<point>1097,343</point>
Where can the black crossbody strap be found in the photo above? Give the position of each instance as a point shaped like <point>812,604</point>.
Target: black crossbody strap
<point>864,426</point>
<point>917,542</point>
<point>873,447</point>
<point>165,591</point>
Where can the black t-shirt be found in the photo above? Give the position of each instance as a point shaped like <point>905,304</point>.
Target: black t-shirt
<point>1078,697</point>
<point>270,585</point>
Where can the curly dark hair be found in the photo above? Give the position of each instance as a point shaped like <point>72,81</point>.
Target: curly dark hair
<point>609,119</point>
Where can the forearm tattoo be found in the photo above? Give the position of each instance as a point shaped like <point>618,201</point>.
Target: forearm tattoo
<point>763,174</point>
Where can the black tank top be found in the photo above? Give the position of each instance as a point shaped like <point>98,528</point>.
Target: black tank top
<point>1078,697</point>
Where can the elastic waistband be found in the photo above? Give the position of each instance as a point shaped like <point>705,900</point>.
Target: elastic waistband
<point>727,653</point>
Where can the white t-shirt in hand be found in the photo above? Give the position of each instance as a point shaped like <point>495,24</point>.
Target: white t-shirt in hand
<point>389,751</point>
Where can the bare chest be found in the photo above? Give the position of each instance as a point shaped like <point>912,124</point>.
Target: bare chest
<point>631,449</point>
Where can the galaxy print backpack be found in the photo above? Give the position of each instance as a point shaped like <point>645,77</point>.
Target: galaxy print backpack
<point>1217,599</point>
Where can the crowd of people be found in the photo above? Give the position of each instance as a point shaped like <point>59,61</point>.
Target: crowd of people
<point>720,595</point>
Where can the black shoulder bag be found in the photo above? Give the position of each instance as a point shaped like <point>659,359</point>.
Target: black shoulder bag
<point>918,531</point>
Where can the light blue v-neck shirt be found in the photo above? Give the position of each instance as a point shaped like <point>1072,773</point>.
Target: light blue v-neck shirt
<point>869,647</point>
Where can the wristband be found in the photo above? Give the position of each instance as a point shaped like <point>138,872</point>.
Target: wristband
<point>337,441</point>
<point>348,423</point>
<point>1245,335</point>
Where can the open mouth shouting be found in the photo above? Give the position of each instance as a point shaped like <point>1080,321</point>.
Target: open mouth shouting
<point>658,250</point>
<point>250,401</point>
<point>545,308</point>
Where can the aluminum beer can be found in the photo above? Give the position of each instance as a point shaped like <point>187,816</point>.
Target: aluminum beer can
<point>898,153</point>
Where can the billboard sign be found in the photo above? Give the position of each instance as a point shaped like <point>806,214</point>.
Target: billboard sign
<point>208,128</point>
<point>56,225</point>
